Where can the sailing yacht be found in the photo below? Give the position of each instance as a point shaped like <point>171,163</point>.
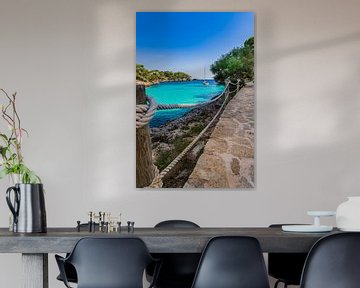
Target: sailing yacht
<point>205,82</point>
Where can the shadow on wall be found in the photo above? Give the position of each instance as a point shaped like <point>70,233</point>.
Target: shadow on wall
<point>310,47</point>
<point>307,119</point>
<point>307,111</point>
<point>109,105</point>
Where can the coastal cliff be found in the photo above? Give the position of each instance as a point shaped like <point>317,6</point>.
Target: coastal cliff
<point>170,139</point>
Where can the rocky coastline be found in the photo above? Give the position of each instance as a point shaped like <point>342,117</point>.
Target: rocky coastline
<point>171,138</point>
<point>148,83</point>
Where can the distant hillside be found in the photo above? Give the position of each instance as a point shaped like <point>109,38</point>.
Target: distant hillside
<point>149,77</point>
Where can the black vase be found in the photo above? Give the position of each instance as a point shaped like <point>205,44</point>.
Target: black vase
<point>28,208</point>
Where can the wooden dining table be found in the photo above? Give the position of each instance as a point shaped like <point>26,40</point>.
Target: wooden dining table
<point>35,247</point>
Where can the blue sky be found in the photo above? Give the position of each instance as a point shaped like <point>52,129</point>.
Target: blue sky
<point>189,41</point>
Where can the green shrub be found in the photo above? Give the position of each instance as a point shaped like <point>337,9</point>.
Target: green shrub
<point>196,129</point>
<point>165,157</point>
<point>236,64</point>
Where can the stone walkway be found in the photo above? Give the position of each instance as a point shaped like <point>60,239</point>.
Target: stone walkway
<point>228,157</point>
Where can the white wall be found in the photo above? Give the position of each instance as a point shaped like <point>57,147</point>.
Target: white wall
<point>73,66</point>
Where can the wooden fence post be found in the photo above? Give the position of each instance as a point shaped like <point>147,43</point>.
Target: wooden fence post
<point>145,172</point>
<point>227,92</point>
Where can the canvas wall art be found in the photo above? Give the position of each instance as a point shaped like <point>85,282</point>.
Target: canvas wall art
<point>195,98</point>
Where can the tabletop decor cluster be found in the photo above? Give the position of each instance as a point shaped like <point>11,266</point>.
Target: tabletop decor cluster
<point>104,222</point>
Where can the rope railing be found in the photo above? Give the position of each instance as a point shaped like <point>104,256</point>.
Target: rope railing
<point>157,181</point>
<point>177,106</point>
<point>145,112</point>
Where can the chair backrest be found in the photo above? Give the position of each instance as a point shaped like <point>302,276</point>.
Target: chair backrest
<point>110,262</point>
<point>333,262</point>
<point>286,266</point>
<point>178,270</point>
<point>176,224</point>
<point>232,262</point>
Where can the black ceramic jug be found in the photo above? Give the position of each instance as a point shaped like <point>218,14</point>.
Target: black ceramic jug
<point>28,207</point>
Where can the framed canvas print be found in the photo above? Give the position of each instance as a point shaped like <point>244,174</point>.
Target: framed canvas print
<point>195,98</point>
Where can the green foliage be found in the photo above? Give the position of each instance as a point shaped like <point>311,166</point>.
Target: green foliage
<point>153,76</point>
<point>11,159</point>
<point>237,64</point>
<point>181,143</point>
<point>196,129</point>
<point>165,157</point>
<point>27,175</point>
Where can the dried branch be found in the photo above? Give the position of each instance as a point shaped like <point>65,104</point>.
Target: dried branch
<point>12,159</point>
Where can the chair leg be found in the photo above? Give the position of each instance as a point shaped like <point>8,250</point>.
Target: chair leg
<point>278,282</point>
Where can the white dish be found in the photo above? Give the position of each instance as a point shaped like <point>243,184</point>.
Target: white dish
<point>321,213</point>
<point>350,229</point>
<point>306,228</point>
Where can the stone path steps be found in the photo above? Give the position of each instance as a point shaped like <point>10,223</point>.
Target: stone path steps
<point>228,157</point>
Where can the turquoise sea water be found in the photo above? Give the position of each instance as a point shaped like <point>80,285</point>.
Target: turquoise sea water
<point>180,93</point>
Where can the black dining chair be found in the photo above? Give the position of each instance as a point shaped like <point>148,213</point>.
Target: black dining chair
<point>178,269</point>
<point>70,271</point>
<point>333,262</point>
<point>286,267</point>
<point>232,262</point>
<point>108,263</point>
